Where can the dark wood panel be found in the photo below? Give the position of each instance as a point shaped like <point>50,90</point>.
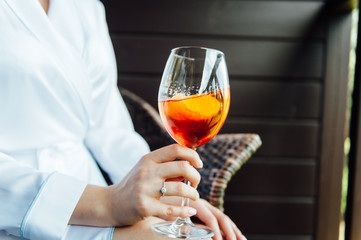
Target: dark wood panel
<point>139,54</point>
<point>272,215</point>
<point>269,176</point>
<point>275,99</point>
<point>233,18</point>
<point>267,98</point>
<point>286,138</point>
<point>144,86</point>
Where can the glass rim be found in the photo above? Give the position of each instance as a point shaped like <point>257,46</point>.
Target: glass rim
<point>174,50</point>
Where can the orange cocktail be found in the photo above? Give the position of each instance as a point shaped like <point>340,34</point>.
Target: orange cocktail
<point>194,120</point>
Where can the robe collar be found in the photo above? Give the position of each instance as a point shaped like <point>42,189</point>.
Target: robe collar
<point>33,16</point>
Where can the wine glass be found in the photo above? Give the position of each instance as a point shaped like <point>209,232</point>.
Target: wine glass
<point>193,101</point>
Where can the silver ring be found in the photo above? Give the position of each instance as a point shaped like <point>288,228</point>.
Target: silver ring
<point>163,190</point>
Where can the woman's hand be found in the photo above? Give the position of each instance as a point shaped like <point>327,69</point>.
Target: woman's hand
<point>223,226</point>
<point>217,220</point>
<point>137,195</point>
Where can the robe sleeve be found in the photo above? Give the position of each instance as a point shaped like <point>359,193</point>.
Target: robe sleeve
<point>34,204</point>
<point>85,232</point>
<point>111,137</point>
<point>113,141</point>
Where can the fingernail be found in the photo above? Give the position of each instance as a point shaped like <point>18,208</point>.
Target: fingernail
<point>192,211</point>
<point>200,163</point>
<point>243,237</point>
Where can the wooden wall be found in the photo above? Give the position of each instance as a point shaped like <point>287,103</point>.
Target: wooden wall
<point>287,62</point>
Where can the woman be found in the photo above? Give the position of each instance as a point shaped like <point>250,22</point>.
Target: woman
<point>60,110</point>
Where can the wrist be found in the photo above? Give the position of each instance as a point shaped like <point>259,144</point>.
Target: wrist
<point>102,207</point>
<point>93,208</point>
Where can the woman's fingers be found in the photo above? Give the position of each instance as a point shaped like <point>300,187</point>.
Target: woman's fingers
<point>180,189</point>
<point>179,169</point>
<point>144,185</point>
<point>224,223</point>
<point>238,233</point>
<point>162,209</point>
<point>176,151</point>
<point>228,227</point>
<point>207,217</point>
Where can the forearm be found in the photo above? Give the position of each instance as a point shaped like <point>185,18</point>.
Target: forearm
<point>93,208</point>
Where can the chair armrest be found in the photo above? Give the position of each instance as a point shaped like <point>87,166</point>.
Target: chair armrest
<point>223,156</point>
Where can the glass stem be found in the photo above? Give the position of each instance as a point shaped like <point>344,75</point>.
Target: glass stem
<point>180,221</point>
<point>186,200</point>
<point>188,183</point>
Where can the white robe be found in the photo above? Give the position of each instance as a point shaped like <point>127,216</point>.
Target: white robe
<point>59,110</point>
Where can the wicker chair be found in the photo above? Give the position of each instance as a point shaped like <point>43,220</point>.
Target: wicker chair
<point>222,156</point>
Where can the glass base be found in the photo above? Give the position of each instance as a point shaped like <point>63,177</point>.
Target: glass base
<point>183,228</point>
